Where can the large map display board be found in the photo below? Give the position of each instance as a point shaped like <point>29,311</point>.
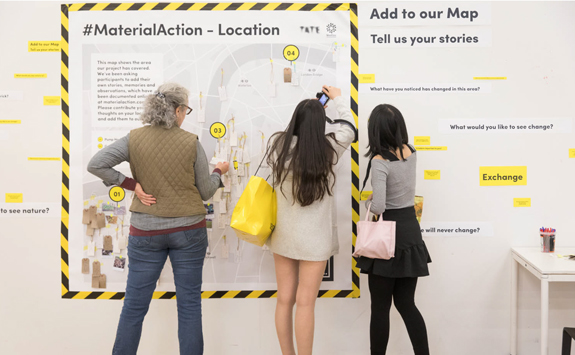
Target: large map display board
<point>246,70</point>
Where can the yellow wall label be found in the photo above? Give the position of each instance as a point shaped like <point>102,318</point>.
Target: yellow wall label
<point>421,140</point>
<point>43,46</point>
<point>51,100</point>
<point>502,175</point>
<point>435,148</point>
<point>489,78</point>
<point>30,75</point>
<point>522,202</point>
<point>117,194</point>
<point>14,198</point>
<point>41,158</point>
<point>571,153</point>
<point>218,130</point>
<point>291,52</point>
<point>365,195</point>
<point>10,122</point>
<point>366,78</point>
<point>432,174</point>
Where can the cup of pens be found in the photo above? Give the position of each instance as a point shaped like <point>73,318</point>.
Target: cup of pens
<point>547,240</point>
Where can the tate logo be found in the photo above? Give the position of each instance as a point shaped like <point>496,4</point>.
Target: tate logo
<point>309,29</point>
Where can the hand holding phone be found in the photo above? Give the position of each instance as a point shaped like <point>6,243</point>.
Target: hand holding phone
<point>322,97</point>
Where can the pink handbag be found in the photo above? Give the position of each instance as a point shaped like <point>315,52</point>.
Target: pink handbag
<point>375,240</point>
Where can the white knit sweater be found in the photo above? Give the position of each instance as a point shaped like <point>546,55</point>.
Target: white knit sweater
<point>305,233</point>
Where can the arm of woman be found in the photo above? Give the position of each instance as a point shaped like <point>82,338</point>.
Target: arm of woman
<point>102,164</point>
<point>345,135</point>
<point>207,183</point>
<point>379,171</point>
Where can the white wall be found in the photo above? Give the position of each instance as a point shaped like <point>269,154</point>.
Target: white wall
<point>466,299</point>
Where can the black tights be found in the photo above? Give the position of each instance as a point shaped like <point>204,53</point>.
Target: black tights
<point>402,290</point>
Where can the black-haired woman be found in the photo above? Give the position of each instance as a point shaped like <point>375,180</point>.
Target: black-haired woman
<point>393,162</point>
<point>302,159</point>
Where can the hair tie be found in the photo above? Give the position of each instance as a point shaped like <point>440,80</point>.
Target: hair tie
<point>160,95</point>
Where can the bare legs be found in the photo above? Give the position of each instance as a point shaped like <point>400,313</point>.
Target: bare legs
<point>298,283</point>
<point>287,279</point>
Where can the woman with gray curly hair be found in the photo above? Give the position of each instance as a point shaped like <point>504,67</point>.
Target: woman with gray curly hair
<point>168,219</point>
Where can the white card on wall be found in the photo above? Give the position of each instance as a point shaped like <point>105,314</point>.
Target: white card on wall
<point>218,195</point>
<point>241,169</point>
<point>295,79</point>
<point>233,139</point>
<point>223,93</point>
<point>91,248</point>
<point>202,115</point>
<point>227,184</point>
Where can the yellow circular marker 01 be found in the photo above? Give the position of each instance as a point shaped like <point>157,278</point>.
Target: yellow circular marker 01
<point>291,52</point>
<point>218,130</point>
<point>117,194</point>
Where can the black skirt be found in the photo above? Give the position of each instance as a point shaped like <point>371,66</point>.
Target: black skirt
<point>411,255</point>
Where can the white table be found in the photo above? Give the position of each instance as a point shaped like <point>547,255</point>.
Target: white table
<point>547,268</point>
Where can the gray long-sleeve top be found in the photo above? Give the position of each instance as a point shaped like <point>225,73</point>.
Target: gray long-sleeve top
<point>393,184</point>
<point>103,163</point>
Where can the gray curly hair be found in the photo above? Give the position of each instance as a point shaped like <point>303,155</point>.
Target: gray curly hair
<point>160,107</point>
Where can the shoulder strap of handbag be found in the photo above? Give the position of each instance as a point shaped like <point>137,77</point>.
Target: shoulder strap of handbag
<point>258,169</point>
<point>340,121</point>
<point>366,175</point>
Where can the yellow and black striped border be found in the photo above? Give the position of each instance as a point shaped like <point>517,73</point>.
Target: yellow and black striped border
<point>66,8</point>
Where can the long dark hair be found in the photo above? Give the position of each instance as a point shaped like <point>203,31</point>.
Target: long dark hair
<point>386,131</point>
<point>312,158</point>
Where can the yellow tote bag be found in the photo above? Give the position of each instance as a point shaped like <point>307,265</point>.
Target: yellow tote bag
<point>254,217</point>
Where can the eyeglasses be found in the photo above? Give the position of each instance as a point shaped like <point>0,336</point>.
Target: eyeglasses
<point>189,109</point>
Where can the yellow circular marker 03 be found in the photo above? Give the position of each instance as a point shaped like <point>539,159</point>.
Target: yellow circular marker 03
<point>218,130</point>
<point>117,194</point>
<point>291,52</point>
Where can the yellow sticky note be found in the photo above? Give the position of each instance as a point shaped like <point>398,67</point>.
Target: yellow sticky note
<point>366,78</point>
<point>51,100</point>
<point>43,159</point>
<point>430,148</point>
<point>365,195</point>
<point>30,75</point>
<point>522,202</point>
<point>100,201</point>
<point>502,175</point>
<point>14,198</point>
<point>85,247</point>
<point>10,121</point>
<point>85,203</point>
<point>571,153</point>
<point>421,140</point>
<point>489,78</point>
<point>43,46</point>
<point>432,174</point>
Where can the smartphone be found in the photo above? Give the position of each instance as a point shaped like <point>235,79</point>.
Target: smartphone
<point>322,97</point>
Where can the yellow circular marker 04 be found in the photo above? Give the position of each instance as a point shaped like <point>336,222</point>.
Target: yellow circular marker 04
<point>117,194</point>
<point>218,130</point>
<point>291,52</point>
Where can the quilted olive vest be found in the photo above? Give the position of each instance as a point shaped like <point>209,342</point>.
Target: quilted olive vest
<point>162,161</point>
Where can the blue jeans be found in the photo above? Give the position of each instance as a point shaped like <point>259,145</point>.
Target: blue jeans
<point>147,256</point>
